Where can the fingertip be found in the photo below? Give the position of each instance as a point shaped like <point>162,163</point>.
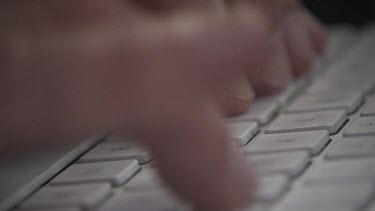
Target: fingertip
<point>317,30</point>
<point>238,97</point>
<point>203,165</point>
<point>300,46</point>
<point>275,72</point>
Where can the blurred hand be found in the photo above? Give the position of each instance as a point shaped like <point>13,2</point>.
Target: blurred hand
<point>156,70</point>
<point>296,40</point>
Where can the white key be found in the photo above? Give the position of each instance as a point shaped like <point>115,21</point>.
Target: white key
<point>83,196</point>
<point>114,172</point>
<point>327,101</point>
<point>372,208</point>
<point>340,83</point>
<point>242,132</point>
<point>369,109</point>
<point>363,126</point>
<point>352,197</point>
<point>142,201</point>
<point>331,121</point>
<point>357,72</point>
<point>262,110</point>
<point>112,151</point>
<point>311,141</point>
<point>145,179</point>
<point>270,188</point>
<point>343,172</point>
<point>290,163</point>
<point>351,148</point>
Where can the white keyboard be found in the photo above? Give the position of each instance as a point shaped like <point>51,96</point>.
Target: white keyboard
<point>313,148</point>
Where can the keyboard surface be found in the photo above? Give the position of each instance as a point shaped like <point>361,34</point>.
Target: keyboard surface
<point>312,146</point>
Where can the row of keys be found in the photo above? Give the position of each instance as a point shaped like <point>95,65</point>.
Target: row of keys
<point>242,132</point>
<point>262,110</point>
<point>349,148</point>
<point>349,197</point>
<point>279,156</point>
<point>369,109</point>
<point>343,179</point>
<point>291,139</point>
<point>84,196</point>
<point>116,150</point>
<point>114,172</point>
<point>343,172</point>
<point>330,121</point>
<point>157,200</point>
<point>82,188</point>
<point>349,102</point>
<point>331,82</point>
<point>290,164</point>
<point>363,126</point>
<point>311,141</point>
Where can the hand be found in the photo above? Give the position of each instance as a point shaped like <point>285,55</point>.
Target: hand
<point>120,66</point>
<point>298,39</point>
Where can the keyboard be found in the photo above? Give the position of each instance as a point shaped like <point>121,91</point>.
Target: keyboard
<point>312,146</point>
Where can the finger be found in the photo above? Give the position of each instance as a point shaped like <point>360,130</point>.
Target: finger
<point>189,132</point>
<point>83,85</point>
<point>316,30</point>
<point>275,72</point>
<point>196,157</point>
<point>237,98</point>
<point>276,11</point>
<point>162,6</point>
<point>300,45</point>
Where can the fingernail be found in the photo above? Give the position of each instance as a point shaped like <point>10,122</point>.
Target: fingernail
<point>276,69</point>
<point>238,98</point>
<point>241,90</point>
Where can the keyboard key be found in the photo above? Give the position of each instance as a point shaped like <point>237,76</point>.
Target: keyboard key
<point>112,151</point>
<point>369,109</point>
<point>372,208</point>
<point>242,132</point>
<point>270,188</point>
<point>145,179</point>
<point>311,141</point>
<point>354,70</point>
<point>289,163</point>
<point>351,197</point>
<point>143,201</point>
<point>331,121</point>
<point>114,172</point>
<point>327,101</point>
<point>343,172</point>
<point>262,110</point>
<point>363,126</point>
<point>341,83</point>
<point>351,148</point>
<point>83,196</point>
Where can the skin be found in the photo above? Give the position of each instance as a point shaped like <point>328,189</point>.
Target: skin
<point>164,72</point>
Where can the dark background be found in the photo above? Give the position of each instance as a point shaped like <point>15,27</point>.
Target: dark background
<point>358,12</point>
